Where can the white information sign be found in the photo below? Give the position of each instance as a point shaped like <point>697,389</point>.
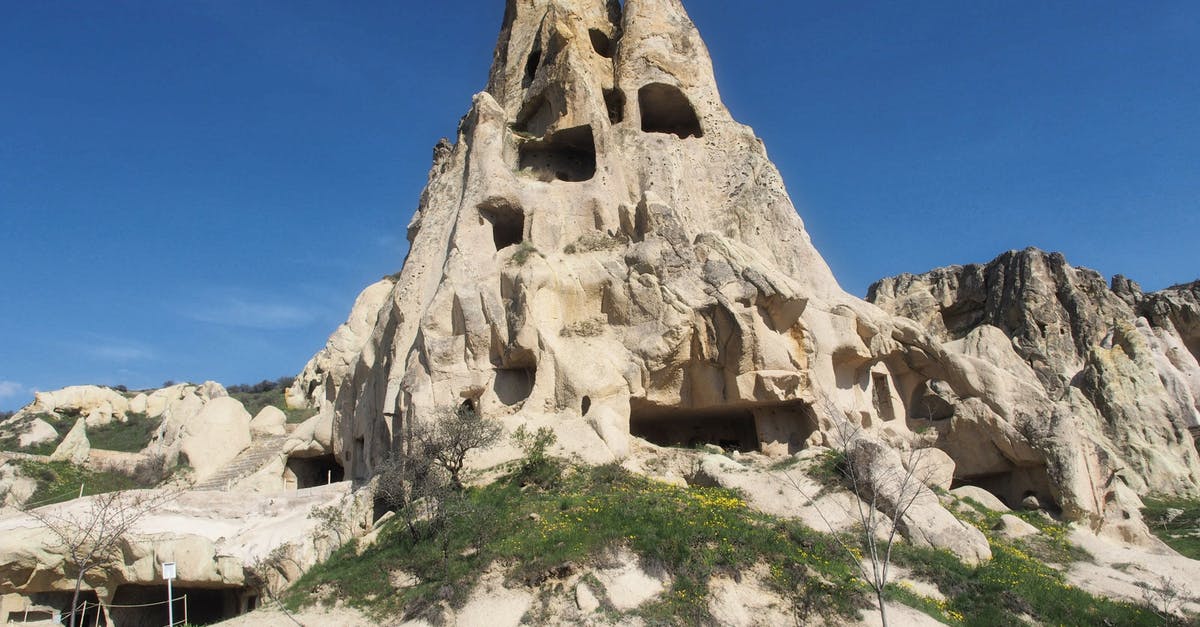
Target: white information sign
<point>168,570</point>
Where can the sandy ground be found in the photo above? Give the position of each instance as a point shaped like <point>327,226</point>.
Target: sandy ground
<point>309,617</point>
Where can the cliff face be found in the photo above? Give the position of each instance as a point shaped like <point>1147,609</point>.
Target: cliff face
<point>1123,363</point>
<point>604,250</point>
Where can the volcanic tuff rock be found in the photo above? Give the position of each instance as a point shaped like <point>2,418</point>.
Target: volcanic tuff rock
<point>604,249</point>
<point>1122,364</point>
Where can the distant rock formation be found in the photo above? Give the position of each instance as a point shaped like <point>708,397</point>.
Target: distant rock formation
<point>1119,366</point>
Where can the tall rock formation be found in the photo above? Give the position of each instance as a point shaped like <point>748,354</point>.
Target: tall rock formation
<point>606,250</point>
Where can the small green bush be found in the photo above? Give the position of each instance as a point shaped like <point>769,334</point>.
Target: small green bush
<point>523,252</point>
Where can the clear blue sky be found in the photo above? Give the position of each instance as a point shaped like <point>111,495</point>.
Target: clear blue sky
<point>198,190</point>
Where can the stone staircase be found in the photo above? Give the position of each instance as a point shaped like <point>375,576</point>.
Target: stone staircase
<point>245,464</point>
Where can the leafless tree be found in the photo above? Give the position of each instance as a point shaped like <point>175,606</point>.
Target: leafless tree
<point>1167,599</point>
<point>448,438</point>
<point>259,574</point>
<point>883,495</point>
<point>89,535</point>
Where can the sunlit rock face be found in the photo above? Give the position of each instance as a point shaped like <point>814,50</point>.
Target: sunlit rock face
<point>604,249</point>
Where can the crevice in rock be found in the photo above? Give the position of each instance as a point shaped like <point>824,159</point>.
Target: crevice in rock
<point>614,101</point>
<point>531,66</point>
<point>882,397</point>
<point>585,405</point>
<point>566,155</point>
<point>780,426</point>
<point>665,109</point>
<point>507,222</point>
<point>514,385</point>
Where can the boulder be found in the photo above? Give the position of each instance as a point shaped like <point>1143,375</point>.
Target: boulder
<point>932,466</point>
<point>270,421</point>
<point>37,432</point>
<point>74,447</point>
<point>1010,526</point>
<point>980,496</point>
<point>215,436</point>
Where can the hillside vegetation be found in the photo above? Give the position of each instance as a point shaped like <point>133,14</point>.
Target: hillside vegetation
<point>566,523</point>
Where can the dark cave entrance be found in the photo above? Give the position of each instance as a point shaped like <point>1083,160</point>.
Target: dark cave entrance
<point>507,221</point>
<point>514,385</point>
<point>601,43</point>
<point>665,109</point>
<point>614,101</point>
<point>200,606</point>
<point>730,429</point>
<point>308,472</point>
<point>772,428</point>
<point>1012,486</point>
<point>48,606</point>
<point>566,155</point>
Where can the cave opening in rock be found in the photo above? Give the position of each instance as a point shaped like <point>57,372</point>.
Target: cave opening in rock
<point>665,109</point>
<point>507,221</point>
<point>728,428</point>
<point>566,155</point>
<point>585,405</point>
<point>531,66</point>
<point>614,101</point>
<point>199,606</point>
<point>1014,485</point>
<point>308,472</point>
<point>514,385</point>
<point>56,607</point>
<point>883,397</point>
<point>601,43</point>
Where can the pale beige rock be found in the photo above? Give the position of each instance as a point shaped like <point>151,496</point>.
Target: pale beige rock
<point>215,435</point>
<point>37,432</point>
<point>585,599</point>
<point>750,602</point>
<point>981,496</point>
<point>1010,526</point>
<point>101,403</point>
<point>74,446</point>
<point>932,466</point>
<point>270,420</point>
<point>626,584</point>
<point>493,603</point>
<point>15,488</point>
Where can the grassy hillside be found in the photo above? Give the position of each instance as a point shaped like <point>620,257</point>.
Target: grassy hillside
<point>568,524</point>
<point>254,397</point>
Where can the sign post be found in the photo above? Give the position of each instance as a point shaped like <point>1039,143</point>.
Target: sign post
<point>168,570</point>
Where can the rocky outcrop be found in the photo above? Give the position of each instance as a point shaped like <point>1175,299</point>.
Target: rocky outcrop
<point>220,541</point>
<point>605,250</point>
<point>1117,368</point>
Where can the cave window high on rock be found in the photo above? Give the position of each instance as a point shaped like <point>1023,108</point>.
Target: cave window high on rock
<point>531,67</point>
<point>665,109</point>
<point>601,43</point>
<point>514,385</point>
<point>507,221</point>
<point>566,155</point>
<point>614,101</point>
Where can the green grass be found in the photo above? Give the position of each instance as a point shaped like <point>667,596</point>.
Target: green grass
<point>693,533</point>
<point>130,436</point>
<point>254,402</point>
<point>1176,522</point>
<point>60,481</point>
<point>1018,581</point>
<point>524,251</point>
<point>61,424</point>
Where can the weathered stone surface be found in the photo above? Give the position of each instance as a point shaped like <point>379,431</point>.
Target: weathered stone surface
<point>37,432</point>
<point>604,248</point>
<point>213,538</point>
<point>980,496</point>
<point>1012,527</point>
<point>215,436</point>
<point>100,404</point>
<point>1114,373</point>
<point>270,420</point>
<point>74,446</point>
